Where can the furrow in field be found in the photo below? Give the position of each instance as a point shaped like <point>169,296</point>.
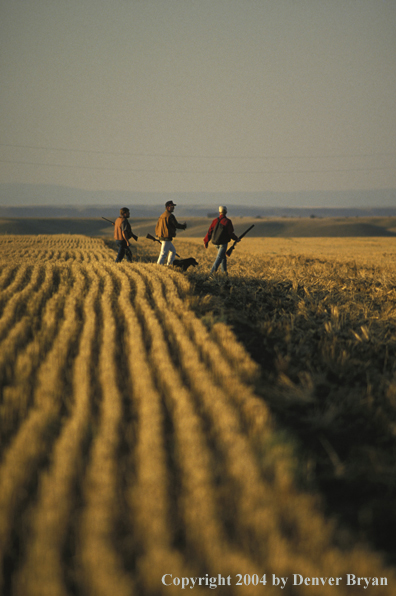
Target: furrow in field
<point>98,254</point>
<point>42,256</point>
<point>104,255</point>
<point>43,572</point>
<point>7,274</point>
<point>30,255</point>
<point>257,514</point>
<point>39,255</point>
<point>29,449</point>
<point>228,363</point>
<point>92,258</point>
<point>205,536</point>
<point>235,449</point>
<point>16,306</point>
<point>20,280</point>
<point>23,253</point>
<point>76,255</point>
<point>231,373</point>
<point>267,518</point>
<point>17,394</point>
<point>230,349</point>
<point>148,494</point>
<point>23,329</point>
<point>102,571</point>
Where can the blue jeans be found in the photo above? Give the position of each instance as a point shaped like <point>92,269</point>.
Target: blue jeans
<point>221,259</point>
<point>123,250</point>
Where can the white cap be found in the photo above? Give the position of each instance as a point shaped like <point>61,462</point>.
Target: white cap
<point>222,209</point>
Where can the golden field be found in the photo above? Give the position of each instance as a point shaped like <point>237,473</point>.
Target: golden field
<point>155,423</point>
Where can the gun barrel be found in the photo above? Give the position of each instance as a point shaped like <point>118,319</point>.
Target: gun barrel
<point>246,231</point>
<point>229,251</point>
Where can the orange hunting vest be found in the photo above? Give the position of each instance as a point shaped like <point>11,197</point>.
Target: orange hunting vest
<point>117,229</point>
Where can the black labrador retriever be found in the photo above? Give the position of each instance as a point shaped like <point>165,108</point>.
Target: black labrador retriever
<point>184,264</point>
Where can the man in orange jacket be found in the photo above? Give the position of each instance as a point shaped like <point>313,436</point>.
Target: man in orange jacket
<point>122,234</point>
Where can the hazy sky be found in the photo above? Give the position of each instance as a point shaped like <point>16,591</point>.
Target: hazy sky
<point>198,95</point>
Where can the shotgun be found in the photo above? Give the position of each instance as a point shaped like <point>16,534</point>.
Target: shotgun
<point>109,220</point>
<point>150,237</point>
<point>112,222</point>
<point>229,251</point>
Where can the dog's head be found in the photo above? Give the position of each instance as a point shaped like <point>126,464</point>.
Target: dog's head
<point>193,262</point>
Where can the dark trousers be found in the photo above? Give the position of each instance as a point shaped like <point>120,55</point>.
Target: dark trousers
<point>123,250</point>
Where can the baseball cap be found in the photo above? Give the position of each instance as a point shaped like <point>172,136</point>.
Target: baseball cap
<point>168,203</point>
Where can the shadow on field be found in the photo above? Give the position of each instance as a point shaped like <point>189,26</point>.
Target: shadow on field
<point>327,357</point>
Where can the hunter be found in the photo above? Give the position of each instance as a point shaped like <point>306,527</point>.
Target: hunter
<point>221,231</point>
<point>122,234</point>
<point>165,230</point>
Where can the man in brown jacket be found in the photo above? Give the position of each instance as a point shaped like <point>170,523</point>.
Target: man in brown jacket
<point>165,230</point>
<point>122,234</point>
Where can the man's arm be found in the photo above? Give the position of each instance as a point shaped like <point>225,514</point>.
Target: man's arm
<point>230,230</point>
<point>125,238</point>
<point>127,233</point>
<point>210,232</point>
<point>123,228</point>
<point>176,224</point>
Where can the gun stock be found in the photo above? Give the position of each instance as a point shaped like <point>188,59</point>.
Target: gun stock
<point>150,237</point>
<point>229,251</point>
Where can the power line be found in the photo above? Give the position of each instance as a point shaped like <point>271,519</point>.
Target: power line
<point>229,172</point>
<point>174,155</point>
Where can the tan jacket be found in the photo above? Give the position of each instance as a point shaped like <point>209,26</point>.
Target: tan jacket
<point>118,230</point>
<point>166,226</point>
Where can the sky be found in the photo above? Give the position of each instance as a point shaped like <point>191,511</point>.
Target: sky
<point>198,95</point>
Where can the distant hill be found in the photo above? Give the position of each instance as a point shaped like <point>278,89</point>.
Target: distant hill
<point>271,227</point>
<point>182,211</point>
<point>59,201</point>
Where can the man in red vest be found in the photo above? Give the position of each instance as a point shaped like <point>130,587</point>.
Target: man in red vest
<point>221,231</point>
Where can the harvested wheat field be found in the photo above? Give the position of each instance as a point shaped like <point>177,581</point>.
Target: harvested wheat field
<point>143,449</point>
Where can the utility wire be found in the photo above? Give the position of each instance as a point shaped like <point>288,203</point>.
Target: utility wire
<point>171,155</point>
<point>154,171</point>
